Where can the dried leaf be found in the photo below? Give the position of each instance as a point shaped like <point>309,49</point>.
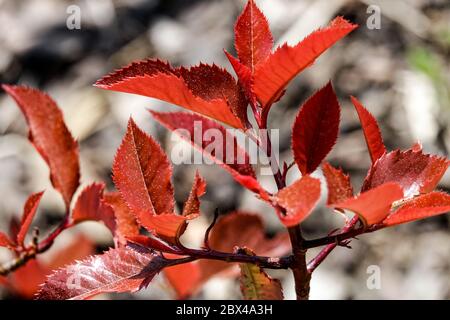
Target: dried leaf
<point>415,171</point>
<point>256,284</point>
<point>117,270</point>
<point>272,76</point>
<point>50,136</point>
<point>299,199</point>
<point>373,206</point>
<point>338,183</point>
<point>423,206</point>
<point>253,39</point>
<point>315,129</point>
<point>372,132</point>
<point>208,90</point>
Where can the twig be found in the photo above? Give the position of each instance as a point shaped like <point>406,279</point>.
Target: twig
<point>36,247</point>
<point>332,242</point>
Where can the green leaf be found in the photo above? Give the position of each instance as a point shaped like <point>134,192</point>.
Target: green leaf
<point>256,284</point>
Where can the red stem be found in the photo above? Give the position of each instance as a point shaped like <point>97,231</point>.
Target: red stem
<point>345,234</point>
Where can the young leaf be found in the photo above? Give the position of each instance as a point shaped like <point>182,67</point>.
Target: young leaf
<point>256,284</point>
<point>50,136</point>
<point>338,183</point>
<point>274,74</point>
<point>117,270</point>
<point>90,206</point>
<point>253,39</point>
<point>373,206</point>
<point>415,171</point>
<point>141,173</point>
<point>245,77</point>
<point>126,224</point>
<point>372,132</point>
<point>299,199</point>
<point>29,211</point>
<point>424,206</point>
<point>315,129</point>
<point>192,130</point>
<point>192,205</point>
<point>208,90</point>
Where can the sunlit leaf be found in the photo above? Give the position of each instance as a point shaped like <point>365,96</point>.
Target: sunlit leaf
<point>315,129</point>
<point>50,136</point>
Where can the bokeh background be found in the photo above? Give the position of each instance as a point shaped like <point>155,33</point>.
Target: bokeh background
<point>400,72</point>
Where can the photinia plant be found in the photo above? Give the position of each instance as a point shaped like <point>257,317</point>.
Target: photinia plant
<point>399,186</point>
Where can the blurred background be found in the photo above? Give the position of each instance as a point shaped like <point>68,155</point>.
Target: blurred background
<point>400,71</point>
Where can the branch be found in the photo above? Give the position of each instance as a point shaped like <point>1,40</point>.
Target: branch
<point>263,262</point>
<point>35,248</point>
<point>298,264</point>
<point>331,242</point>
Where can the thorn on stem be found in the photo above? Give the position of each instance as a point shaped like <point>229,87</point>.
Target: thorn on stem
<point>208,231</point>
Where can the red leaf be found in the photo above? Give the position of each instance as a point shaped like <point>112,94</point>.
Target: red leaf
<point>208,90</point>
<point>374,205</point>
<point>272,76</point>
<point>194,126</point>
<point>26,280</point>
<point>79,247</point>
<point>50,136</point>
<point>245,77</point>
<point>372,132</point>
<point>225,236</point>
<point>140,242</point>
<point>192,205</point>
<point>228,234</point>
<point>424,206</point>
<point>213,83</point>
<point>90,206</point>
<point>183,277</point>
<point>5,242</point>
<point>338,183</point>
<point>299,199</point>
<point>29,211</point>
<point>315,129</point>
<point>253,185</point>
<point>141,172</point>
<point>254,40</point>
<point>415,171</point>
<point>117,270</point>
<point>168,226</point>
<point>126,224</point>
